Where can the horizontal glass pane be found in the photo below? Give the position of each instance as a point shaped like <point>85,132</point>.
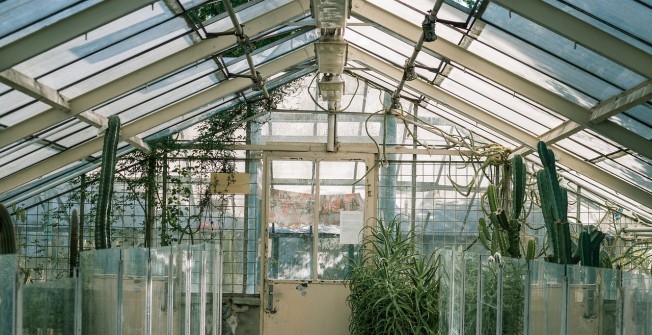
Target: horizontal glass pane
<point>632,124</point>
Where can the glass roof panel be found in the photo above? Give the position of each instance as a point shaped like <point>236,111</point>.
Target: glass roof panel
<point>495,55</point>
<point>593,143</point>
<point>577,149</point>
<point>65,129</point>
<point>128,67</point>
<point>544,43</point>
<point>12,162</point>
<point>625,19</point>
<point>94,44</point>
<point>633,124</point>
<point>621,171</point>
<point>119,52</point>
<point>244,15</point>
<point>13,100</point>
<point>23,113</point>
<point>152,91</point>
<point>516,110</point>
<point>21,18</point>
<point>491,106</point>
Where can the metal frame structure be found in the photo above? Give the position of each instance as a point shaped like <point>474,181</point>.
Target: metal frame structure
<point>575,118</point>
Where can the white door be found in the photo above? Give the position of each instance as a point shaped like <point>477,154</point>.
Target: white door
<point>315,208</point>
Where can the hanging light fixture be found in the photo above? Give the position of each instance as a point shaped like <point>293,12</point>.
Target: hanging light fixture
<point>331,54</point>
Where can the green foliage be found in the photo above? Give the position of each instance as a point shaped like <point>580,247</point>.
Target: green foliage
<point>7,233</point>
<point>506,215</point>
<point>589,247</point>
<point>107,173</point>
<point>394,288</point>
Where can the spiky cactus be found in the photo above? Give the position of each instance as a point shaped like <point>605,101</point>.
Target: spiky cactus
<point>7,233</point>
<point>502,232</point>
<point>554,206</point>
<point>107,172</point>
<point>589,247</point>
<point>74,241</point>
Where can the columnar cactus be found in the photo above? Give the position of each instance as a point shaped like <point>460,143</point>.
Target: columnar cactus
<point>503,233</point>
<point>107,172</point>
<point>7,233</point>
<point>74,241</point>
<point>589,247</point>
<point>554,206</point>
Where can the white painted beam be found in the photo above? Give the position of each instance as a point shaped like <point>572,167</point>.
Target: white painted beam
<point>583,33</point>
<point>144,75</point>
<point>102,122</point>
<point>506,129</point>
<point>621,102</point>
<point>22,83</point>
<point>153,119</point>
<point>66,29</point>
<point>368,11</point>
<point>600,112</point>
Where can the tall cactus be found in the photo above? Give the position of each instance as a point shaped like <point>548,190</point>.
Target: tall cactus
<point>554,206</point>
<point>74,241</point>
<point>107,172</point>
<point>502,233</point>
<point>7,233</point>
<point>589,247</point>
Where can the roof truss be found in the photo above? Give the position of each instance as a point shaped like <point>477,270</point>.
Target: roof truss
<point>370,12</point>
<point>154,119</point>
<point>507,129</point>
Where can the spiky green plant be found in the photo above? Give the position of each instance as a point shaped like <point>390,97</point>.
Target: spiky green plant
<point>105,193</point>
<point>506,198</point>
<point>554,206</point>
<point>394,289</point>
<point>7,233</point>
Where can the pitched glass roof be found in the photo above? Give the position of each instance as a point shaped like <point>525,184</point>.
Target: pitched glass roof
<point>499,74</point>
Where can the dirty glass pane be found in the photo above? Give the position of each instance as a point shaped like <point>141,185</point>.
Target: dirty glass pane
<point>341,216</point>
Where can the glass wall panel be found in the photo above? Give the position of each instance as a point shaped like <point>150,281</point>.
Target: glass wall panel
<point>341,216</point>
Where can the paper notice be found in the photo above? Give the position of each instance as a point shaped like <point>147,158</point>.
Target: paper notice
<point>351,223</point>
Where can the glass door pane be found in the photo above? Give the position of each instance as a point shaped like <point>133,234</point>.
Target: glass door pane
<point>290,219</point>
<point>341,215</point>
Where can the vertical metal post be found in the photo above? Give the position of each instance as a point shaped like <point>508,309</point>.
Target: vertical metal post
<point>220,264</point>
<point>78,302</point>
<point>170,297</point>
<point>187,268</point>
<point>527,293</point>
<point>118,312</point>
<point>332,132</point>
<point>451,295</point>
<point>148,295</point>
<point>620,303</point>
<point>564,303</point>
<point>315,222</point>
<point>217,309</point>
<point>202,294</point>
<point>499,300</point>
<point>478,310</point>
<point>82,202</point>
<point>463,290</point>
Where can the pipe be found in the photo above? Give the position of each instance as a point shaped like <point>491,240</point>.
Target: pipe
<point>637,230</point>
<point>417,49</point>
<point>255,76</point>
<point>332,124</point>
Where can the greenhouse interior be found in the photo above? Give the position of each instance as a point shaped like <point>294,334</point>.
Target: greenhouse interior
<point>326,167</point>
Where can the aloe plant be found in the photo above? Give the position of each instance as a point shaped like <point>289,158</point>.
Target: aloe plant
<point>506,214</point>
<point>107,174</point>
<point>394,288</point>
<point>7,233</point>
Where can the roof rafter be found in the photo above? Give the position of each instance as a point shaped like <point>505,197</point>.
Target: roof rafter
<point>153,119</point>
<point>370,12</point>
<point>501,126</point>
<point>150,72</point>
<point>600,112</point>
<point>66,29</point>
<point>583,33</point>
<point>50,96</point>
